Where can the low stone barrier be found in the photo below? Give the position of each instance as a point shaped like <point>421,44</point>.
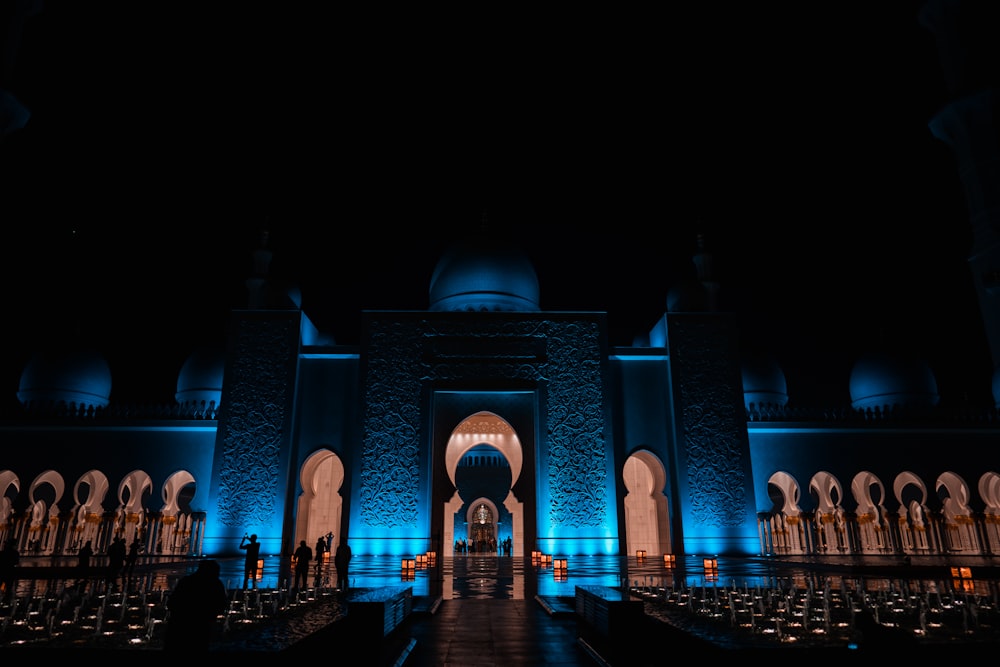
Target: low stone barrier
<point>379,611</point>
<point>608,621</point>
<point>374,620</point>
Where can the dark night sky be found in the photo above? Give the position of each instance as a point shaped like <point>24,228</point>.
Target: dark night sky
<point>796,140</point>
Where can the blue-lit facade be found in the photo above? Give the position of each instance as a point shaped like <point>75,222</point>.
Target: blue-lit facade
<point>300,436</point>
<point>485,423</point>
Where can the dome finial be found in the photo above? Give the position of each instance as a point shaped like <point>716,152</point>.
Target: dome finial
<point>705,271</point>
<point>257,283</point>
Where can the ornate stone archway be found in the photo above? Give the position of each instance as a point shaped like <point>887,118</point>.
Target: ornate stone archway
<point>485,428</point>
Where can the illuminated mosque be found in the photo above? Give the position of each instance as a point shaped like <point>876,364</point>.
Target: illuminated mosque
<point>486,423</point>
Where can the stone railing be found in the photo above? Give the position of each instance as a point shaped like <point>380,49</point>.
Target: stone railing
<point>848,533</point>
<point>116,411</point>
<point>771,412</point>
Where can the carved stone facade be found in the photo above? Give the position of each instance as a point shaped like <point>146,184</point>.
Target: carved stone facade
<point>253,435</point>
<point>715,481</point>
<point>561,359</point>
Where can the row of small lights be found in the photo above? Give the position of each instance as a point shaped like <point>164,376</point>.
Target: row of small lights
<point>961,575</point>
<point>560,566</point>
<point>711,565</point>
<point>670,561</point>
<point>421,562</point>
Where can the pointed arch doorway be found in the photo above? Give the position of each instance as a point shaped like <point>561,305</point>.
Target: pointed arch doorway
<point>476,431</point>
<point>482,520</point>
<point>320,504</point>
<point>647,520</point>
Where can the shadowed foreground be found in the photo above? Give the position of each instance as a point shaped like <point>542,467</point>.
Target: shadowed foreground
<point>499,611</point>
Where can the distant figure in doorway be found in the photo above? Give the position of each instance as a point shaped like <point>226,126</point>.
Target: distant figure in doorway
<point>194,607</point>
<point>320,553</point>
<point>342,561</point>
<point>303,556</point>
<point>9,559</point>
<point>252,548</point>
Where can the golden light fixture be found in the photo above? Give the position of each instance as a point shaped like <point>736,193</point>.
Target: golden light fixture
<point>962,579</point>
<point>964,585</point>
<point>640,554</point>
<point>669,561</point>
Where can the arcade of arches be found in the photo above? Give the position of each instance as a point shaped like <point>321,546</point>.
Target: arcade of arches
<point>483,461</point>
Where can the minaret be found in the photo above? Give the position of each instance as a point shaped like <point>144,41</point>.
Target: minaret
<point>968,35</point>
<point>260,380</point>
<point>257,283</point>
<point>706,276</point>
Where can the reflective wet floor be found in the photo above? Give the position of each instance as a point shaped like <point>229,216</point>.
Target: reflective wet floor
<point>486,610</point>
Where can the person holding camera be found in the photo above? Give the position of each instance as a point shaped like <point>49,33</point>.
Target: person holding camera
<point>252,547</point>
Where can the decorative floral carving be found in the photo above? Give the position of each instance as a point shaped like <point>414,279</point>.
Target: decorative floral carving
<point>253,428</point>
<point>714,446</point>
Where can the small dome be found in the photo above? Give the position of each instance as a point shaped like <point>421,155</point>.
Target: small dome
<point>484,275</point>
<point>886,381</point>
<point>200,378</point>
<point>763,382</point>
<point>69,377</point>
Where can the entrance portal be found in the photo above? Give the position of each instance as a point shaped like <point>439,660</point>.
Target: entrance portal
<point>320,505</point>
<point>483,449</point>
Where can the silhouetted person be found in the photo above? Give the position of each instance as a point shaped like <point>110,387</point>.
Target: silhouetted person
<point>194,606</point>
<point>320,551</point>
<point>252,548</point>
<point>83,557</point>
<point>117,553</point>
<point>878,638</point>
<point>9,559</point>
<point>342,561</point>
<point>132,557</point>
<point>303,557</point>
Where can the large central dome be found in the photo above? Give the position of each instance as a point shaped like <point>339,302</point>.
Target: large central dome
<point>885,381</point>
<point>484,274</point>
